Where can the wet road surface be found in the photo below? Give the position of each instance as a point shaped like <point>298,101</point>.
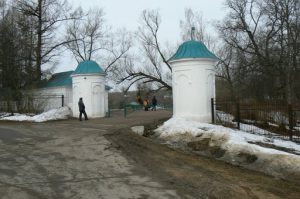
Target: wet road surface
<point>101,158</point>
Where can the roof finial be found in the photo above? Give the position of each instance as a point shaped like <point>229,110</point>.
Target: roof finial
<point>193,33</point>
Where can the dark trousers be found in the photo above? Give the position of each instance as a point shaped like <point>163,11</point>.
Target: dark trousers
<point>153,108</point>
<point>84,113</point>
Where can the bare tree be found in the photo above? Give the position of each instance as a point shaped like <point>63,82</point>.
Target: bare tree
<point>87,35</point>
<point>194,19</point>
<point>225,68</point>
<point>153,67</point>
<point>116,50</point>
<point>11,70</point>
<point>266,33</point>
<point>92,39</point>
<point>47,16</point>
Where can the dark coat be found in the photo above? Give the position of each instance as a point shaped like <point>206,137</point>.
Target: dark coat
<point>154,101</point>
<point>81,105</point>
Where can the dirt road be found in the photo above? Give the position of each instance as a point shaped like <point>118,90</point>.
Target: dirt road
<point>101,158</point>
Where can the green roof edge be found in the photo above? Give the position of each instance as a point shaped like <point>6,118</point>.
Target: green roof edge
<point>193,49</point>
<point>88,67</point>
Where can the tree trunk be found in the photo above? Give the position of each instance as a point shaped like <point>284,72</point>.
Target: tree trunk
<point>39,42</point>
<point>289,88</point>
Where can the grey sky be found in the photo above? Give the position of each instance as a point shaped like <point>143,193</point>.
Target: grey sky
<point>126,13</point>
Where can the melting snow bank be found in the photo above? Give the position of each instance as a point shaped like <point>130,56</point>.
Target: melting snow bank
<point>54,114</point>
<point>236,147</point>
<point>4,114</point>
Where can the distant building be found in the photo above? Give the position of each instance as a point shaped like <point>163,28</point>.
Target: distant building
<point>87,81</point>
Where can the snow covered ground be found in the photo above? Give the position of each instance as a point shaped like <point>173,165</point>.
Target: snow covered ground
<point>236,142</point>
<point>54,114</point>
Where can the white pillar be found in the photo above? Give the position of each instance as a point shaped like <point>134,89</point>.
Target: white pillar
<point>193,82</point>
<point>91,87</point>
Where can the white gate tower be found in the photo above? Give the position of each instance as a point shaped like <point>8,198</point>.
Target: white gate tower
<point>193,81</point>
<point>88,82</point>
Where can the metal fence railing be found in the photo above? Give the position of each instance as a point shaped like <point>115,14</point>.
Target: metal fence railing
<point>269,118</point>
<point>47,102</point>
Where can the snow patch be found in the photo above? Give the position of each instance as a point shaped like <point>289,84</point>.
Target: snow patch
<point>54,114</point>
<point>237,143</point>
<point>138,129</point>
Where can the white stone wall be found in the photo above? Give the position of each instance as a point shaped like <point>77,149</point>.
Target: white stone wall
<point>193,83</point>
<point>45,98</point>
<point>91,87</point>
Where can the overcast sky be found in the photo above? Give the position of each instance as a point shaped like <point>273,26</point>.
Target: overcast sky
<point>126,13</point>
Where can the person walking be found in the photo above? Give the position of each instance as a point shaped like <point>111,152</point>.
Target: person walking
<point>82,110</point>
<point>146,104</point>
<point>139,100</point>
<point>154,103</point>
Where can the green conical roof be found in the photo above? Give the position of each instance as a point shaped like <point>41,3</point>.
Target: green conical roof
<point>192,49</point>
<point>88,67</point>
